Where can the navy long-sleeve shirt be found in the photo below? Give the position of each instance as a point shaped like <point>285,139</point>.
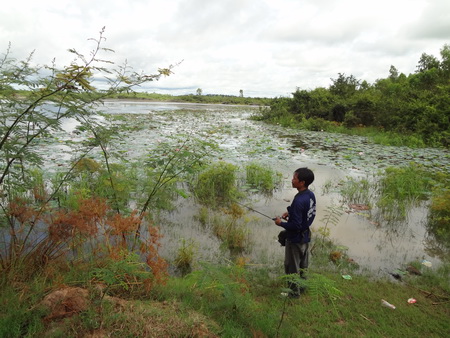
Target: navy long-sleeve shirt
<point>302,212</point>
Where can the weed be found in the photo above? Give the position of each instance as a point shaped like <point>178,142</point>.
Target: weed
<point>262,178</point>
<point>17,320</point>
<point>390,195</point>
<point>231,231</point>
<point>217,184</point>
<point>331,217</point>
<point>358,191</point>
<point>401,188</point>
<point>127,275</point>
<point>203,215</point>
<point>185,256</point>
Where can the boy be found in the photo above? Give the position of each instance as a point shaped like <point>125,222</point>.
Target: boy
<point>299,217</point>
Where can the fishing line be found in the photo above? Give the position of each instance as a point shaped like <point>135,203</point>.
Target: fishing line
<point>272,218</point>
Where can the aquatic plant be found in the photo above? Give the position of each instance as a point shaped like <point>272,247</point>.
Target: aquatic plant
<point>390,194</point>
<point>185,256</point>
<point>231,231</point>
<point>357,191</point>
<point>328,186</point>
<point>401,188</point>
<point>261,177</point>
<point>203,215</point>
<point>217,185</point>
<point>439,215</point>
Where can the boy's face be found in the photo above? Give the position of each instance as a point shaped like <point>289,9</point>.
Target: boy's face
<point>296,183</point>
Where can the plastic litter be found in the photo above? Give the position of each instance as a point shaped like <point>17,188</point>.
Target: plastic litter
<point>412,300</point>
<point>427,263</point>
<point>386,304</point>
<point>401,272</point>
<point>347,277</point>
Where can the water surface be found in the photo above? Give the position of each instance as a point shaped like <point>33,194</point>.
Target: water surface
<point>332,157</point>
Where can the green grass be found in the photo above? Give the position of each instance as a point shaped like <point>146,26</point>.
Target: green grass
<point>16,319</point>
<point>392,193</point>
<point>254,305</point>
<point>238,300</point>
<point>261,178</point>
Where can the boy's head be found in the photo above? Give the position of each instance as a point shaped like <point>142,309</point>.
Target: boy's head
<point>305,174</point>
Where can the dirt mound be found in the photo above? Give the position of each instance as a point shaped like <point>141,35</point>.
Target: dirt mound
<point>66,302</point>
<point>140,318</point>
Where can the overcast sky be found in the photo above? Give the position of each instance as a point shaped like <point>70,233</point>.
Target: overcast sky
<point>266,48</point>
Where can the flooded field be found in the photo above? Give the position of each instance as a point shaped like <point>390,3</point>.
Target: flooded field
<point>332,157</point>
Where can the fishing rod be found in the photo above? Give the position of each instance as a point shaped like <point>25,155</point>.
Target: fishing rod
<point>272,218</point>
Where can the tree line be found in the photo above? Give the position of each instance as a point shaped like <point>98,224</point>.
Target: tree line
<point>417,104</point>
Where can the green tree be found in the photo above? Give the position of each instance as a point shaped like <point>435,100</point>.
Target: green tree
<point>427,62</point>
<point>393,73</point>
<point>344,86</point>
<point>314,103</point>
<point>445,63</point>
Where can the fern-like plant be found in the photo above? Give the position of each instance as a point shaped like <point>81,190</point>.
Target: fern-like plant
<point>331,217</point>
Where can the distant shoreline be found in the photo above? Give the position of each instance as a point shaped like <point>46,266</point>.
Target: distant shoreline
<point>137,99</point>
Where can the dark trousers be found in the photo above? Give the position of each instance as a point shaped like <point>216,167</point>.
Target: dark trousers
<point>296,258</point>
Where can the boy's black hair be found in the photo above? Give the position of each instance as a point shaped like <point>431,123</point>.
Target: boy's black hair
<point>305,174</point>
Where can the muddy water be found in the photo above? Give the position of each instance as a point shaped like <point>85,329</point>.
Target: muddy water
<point>332,158</point>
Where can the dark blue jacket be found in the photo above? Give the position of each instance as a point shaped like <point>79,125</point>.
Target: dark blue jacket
<point>302,212</point>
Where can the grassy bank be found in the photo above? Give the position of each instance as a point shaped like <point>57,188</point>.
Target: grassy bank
<point>109,291</point>
<point>374,134</point>
<point>232,299</point>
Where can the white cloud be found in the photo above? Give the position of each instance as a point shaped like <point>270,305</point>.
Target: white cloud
<point>264,47</point>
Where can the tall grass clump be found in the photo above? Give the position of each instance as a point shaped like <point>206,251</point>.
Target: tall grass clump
<point>439,218</point>
<point>439,215</point>
<point>261,177</point>
<point>16,319</point>
<point>228,225</point>
<point>357,191</point>
<point>185,256</point>
<point>231,231</point>
<point>390,194</point>
<point>401,188</point>
<point>217,185</point>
